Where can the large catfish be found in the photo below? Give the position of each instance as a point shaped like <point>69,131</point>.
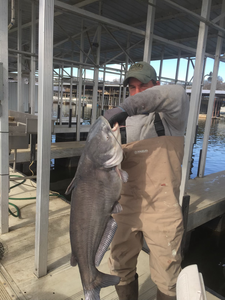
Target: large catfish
<point>96,190</point>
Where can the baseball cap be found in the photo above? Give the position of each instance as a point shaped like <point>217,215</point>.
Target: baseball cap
<point>142,71</point>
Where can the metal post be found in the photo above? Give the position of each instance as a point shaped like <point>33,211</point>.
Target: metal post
<point>4,123</point>
<point>103,91</point>
<point>177,68</point>
<point>61,96</point>
<point>149,30</point>
<point>126,67</point>
<point>71,96</point>
<point>161,64</point>
<point>84,95</point>
<point>96,72</point>
<point>20,106</point>
<point>121,69</point>
<point>80,84</point>
<point>46,16</point>
<point>187,71</point>
<point>195,97</point>
<point>58,104</point>
<point>32,62</point>
<point>212,95</point>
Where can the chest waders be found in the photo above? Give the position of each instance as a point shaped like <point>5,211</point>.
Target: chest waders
<point>151,211</point>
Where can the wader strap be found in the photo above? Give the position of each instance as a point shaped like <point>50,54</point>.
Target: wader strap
<point>123,133</point>
<point>159,128</point>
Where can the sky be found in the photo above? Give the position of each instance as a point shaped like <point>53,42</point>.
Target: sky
<point>168,70</point>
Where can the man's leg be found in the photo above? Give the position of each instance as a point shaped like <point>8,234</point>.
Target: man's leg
<point>128,291</point>
<point>125,248</point>
<point>161,296</point>
<point>163,238</point>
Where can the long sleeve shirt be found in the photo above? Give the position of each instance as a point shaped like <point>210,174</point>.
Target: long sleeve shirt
<point>170,101</point>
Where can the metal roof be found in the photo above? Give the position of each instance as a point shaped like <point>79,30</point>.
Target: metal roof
<point>176,27</point>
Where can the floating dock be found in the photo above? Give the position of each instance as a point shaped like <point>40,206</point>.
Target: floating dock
<point>17,279</point>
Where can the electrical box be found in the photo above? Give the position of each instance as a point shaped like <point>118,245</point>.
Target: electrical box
<point>1,81</point>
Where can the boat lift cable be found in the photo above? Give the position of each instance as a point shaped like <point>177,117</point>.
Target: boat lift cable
<point>17,214</point>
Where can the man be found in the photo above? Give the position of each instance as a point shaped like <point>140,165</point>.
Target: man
<point>156,118</point>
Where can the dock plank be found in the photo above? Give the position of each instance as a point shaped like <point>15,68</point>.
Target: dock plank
<point>206,199</point>
<point>58,150</point>
<point>63,281</point>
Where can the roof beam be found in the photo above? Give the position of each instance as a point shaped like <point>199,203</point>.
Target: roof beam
<point>196,16</point>
<point>97,18</point>
<point>58,13</point>
<point>177,45</point>
<point>109,32</point>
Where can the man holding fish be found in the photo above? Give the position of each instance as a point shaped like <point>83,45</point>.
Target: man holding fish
<point>156,119</point>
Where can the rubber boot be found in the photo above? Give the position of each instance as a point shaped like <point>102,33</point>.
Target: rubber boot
<point>129,291</point>
<point>161,296</point>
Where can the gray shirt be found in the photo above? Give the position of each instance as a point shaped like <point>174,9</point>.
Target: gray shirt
<point>170,101</point>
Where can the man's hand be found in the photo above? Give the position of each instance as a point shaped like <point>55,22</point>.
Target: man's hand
<point>115,115</point>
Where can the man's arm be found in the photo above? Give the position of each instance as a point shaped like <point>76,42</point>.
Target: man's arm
<point>171,100</point>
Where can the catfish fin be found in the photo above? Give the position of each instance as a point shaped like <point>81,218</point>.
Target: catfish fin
<point>71,186</point>
<point>117,208</point>
<point>105,241</point>
<point>124,175</point>
<point>92,295</point>
<point>103,280</point>
<point>73,260</point>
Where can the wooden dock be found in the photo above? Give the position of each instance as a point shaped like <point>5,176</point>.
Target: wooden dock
<point>206,199</point>
<point>17,279</point>
<point>58,150</point>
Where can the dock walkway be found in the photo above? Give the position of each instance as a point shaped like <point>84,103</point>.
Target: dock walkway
<point>17,280</point>
<point>207,197</point>
<point>58,150</point>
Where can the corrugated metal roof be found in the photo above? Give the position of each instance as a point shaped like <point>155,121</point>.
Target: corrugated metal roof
<point>170,23</point>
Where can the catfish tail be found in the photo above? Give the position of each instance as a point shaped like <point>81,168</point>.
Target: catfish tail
<point>102,280</point>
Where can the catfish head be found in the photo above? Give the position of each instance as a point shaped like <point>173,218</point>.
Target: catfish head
<point>103,144</point>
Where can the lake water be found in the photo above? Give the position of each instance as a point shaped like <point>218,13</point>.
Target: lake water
<point>207,248</point>
<point>215,159</point>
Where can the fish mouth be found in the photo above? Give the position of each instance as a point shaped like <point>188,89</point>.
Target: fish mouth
<point>117,150</point>
<point>115,127</point>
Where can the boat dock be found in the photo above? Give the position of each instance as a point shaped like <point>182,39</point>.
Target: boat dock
<point>58,150</point>
<point>17,279</point>
<point>206,199</point>
<point>206,194</point>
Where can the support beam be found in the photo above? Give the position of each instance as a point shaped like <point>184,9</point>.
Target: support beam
<point>161,64</point>
<point>78,116</point>
<point>113,37</point>
<point>96,73</point>
<point>178,66</point>
<point>212,96</point>
<point>97,18</point>
<point>195,97</point>
<point>127,50</point>
<point>196,16</point>
<point>187,71</point>
<point>149,30</point>
<point>4,123</point>
<point>20,106</point>
<point>56,14</point>
<point>33,59</point>
<point>103,91</point>
<point>46,15</point>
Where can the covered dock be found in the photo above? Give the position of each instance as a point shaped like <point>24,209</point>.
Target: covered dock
<point>62,282</point>
<point>42,44</point>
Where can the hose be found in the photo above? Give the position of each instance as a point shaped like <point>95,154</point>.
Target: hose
<point>18,214</point>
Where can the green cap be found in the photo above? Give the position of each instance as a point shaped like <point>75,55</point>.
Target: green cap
<point>141,71</point>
